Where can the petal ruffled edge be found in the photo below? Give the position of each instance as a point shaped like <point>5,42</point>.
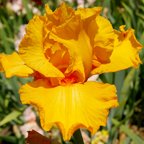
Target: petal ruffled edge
<point>71,107</point>
<point>86,13</point>
<point>32,52</point>
<point>125,53</point>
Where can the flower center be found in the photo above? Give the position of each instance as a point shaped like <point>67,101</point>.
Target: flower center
<point>68,80</point>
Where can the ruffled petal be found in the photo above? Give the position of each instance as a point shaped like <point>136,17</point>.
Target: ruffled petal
<point>69,29</point>
<point>103,33</point>
<point>80,49</point>
<point>125,53</point>
<point>48,10</point>
<point>32,52</point>
<point>86,13</point>
<point>71,107</point>
<point>13,65</point>
<point>60,15</point>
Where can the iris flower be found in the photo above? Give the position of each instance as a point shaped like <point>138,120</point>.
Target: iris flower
<point>61,50</point>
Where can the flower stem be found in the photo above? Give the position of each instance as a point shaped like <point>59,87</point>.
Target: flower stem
<point>78,137</point>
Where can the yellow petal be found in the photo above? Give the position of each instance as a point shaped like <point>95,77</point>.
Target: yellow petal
<point>48,10</point>
<point>32,52</point>
<point>76,69</point>
<point>71,107</point>
<point>59,19</point>
<point>125,53</point>
<point>60,15</point>
<point>80,49</point>
<point>104,37</point>
<point>88,16</point>
<point>88,12</point>
<point>69,29</point>
<point>60,59</point>
<point>13,65</point>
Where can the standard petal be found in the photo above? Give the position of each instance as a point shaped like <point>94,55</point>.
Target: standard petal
<point>69,29</point>
<point>71,107</point>
<point>60,15</point>
<point>13,65</point>
<point>32,52</point>
<point>103,33</point>
<point>86,13</point>
<point>80,49</point>
<point>125,53</point>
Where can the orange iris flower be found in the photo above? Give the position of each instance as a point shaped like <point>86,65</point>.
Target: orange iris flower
<point>61,50</point>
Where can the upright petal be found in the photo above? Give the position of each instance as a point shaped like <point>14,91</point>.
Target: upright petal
<point>125,53</point>
<point>80,49</point>
<point>104,36</point>
<point>69,29</point>
<point>32,52</point>
<point>13,65</point>
<point>60,15</point>
<point>71,107</point>
<point>86,13</point>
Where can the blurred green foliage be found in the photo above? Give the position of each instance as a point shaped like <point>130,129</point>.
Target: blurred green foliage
<point>129,83</point>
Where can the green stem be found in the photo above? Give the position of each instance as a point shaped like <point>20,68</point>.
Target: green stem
<point>78,137</point>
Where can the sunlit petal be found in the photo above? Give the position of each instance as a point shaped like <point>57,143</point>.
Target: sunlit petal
<point>71,107</point>
<point>125,53</point>
<point>78,48</point>
<point>32,52</point>
<point>102,34</point>
<point>60,15</point>
<point>86,13</point>
<point>13,65</point>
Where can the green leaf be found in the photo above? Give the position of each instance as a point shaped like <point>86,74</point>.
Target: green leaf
<point>119,79</point>
<point>128,9</point>
<point>10,139</point>
<point>140,15</point>
<point>123,128</point>
<point>29,13</point>
<point>125,92</point>
<point>131,134</point>
<point>13,115</point>
<point>107,77</point>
